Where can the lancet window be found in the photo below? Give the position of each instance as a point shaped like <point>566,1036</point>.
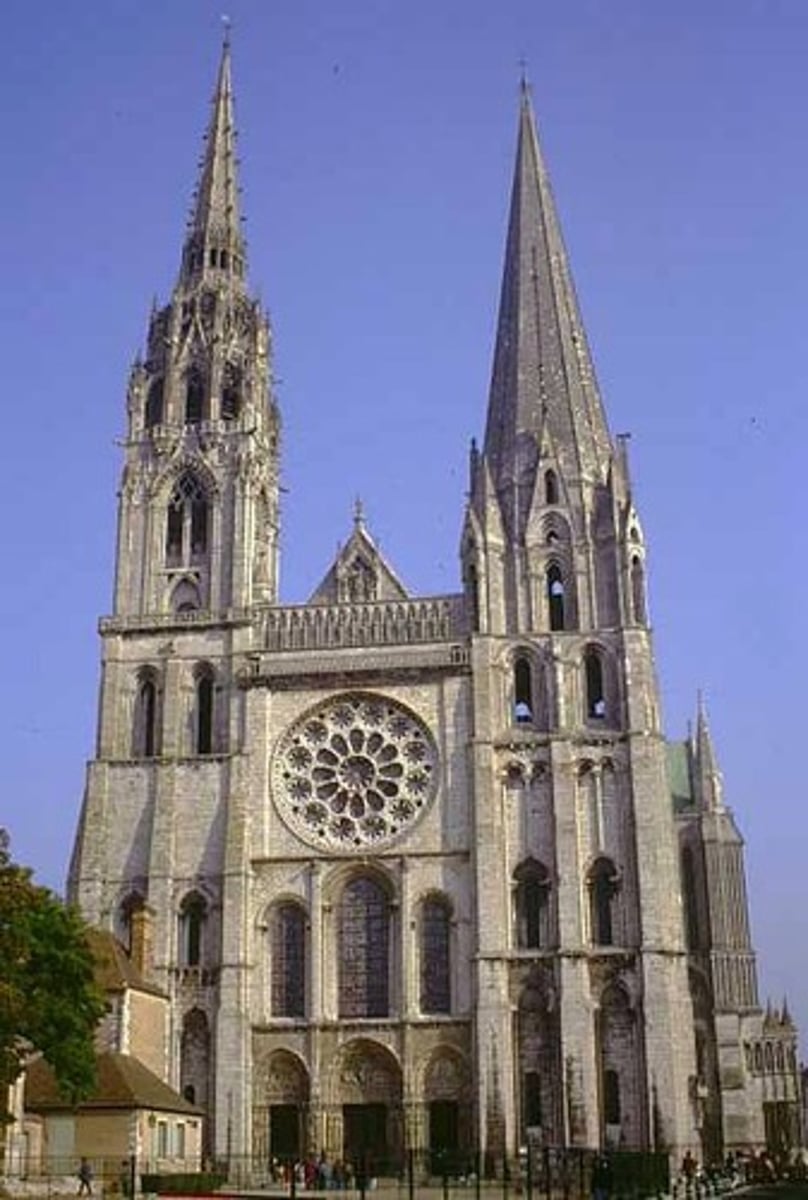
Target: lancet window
<point>187,522</point>
<point>638,590</point>
<point>603,890</point>
<point>595,692</point>
<point>555,597</point>
<point>154,404</point>
<point>145,730</point>
<point>522,690</point>
<point>194,397</point>
<point>364,949</point>
<point>532,906</point>
<point>436,919</point>
<point>191,930</point>
<point>231,392</point>
<point>204,711</point>
<point>288,960</point>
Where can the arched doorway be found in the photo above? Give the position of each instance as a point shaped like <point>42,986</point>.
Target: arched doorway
<point>366,1098</point>
<point>447,1100</point>
<point>280,1107</point>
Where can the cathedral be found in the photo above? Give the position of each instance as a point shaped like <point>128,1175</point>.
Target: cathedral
<point>415,873</point>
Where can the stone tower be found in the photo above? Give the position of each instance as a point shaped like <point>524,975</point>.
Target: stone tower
<point>407,867</point>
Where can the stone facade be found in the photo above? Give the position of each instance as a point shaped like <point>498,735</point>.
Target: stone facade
<point>408,868</point>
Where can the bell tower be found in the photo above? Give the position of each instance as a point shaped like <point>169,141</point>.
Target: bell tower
<point>198,506</point>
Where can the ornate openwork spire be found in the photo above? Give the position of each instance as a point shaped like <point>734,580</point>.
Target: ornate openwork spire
<point>709,781</point>
<point>214,245</point>
<point>542,372</point>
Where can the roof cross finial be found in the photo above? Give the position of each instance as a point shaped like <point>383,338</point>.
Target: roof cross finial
<point>359,513</point>
<point>227,25</point>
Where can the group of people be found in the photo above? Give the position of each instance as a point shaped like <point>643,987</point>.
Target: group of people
<point>313,1173</point>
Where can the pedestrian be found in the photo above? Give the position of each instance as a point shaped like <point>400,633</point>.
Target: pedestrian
<point>601,1178</point>
<point>85,1174</point>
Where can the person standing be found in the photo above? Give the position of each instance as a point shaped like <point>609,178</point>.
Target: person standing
<point>85,1174</point>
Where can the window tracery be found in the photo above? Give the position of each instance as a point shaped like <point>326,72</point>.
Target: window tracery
<point>187,521</point>
<point>364,949</point>
<point>355,771</point>
<point>288,960</point>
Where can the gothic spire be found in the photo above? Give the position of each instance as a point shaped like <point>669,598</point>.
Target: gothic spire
<point>214,245</point>
<point>542,371</point>
<point>708,777</point>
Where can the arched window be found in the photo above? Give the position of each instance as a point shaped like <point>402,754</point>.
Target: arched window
<point>203,714</point>
<point>595,696</point>
<point>288,960</point>
<point>144,733</point>
<point>436,917</point>
<point>532,903</point>
<point>231,392</point>
<point>555,597</point>
<point>522,691</point>
<point>550,487</point>
<point>194,397</point>
<point>154,404</point>
<point>603,887</point>
<point>187,522</point>
<point>185,597</point>
<point>364,949</point>
<point>193,917</point>
<point>638,590</point>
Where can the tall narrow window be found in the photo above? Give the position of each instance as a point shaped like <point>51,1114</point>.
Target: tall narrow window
<point>187,521</point>
<point>193,915</point>
<point>364,950</point>
<point>473,582</point>
<point>603,883</point>
<point>288,960</point>
<point>231,392</point>
<point>550,487</point>
<point>595,697</point>
<point>532,906</point>
<point>154,404</point>
<point>638,590</point>
<point>522,691</point>
<point>204,712</point>
<point>555,597</point>
<point>145,725</point>
<point>194,397</point>
<point>435,957</point>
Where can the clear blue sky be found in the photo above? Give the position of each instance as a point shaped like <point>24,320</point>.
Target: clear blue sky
<point>377,144</point>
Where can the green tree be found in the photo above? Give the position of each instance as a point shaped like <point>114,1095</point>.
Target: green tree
<point>48,998</point>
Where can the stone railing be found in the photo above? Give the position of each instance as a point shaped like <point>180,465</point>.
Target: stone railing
<point>376,623</point>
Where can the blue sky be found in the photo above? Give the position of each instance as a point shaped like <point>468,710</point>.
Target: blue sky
<point>377,143</point>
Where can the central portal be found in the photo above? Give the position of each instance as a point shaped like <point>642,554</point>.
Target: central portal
<point>364,1139</point>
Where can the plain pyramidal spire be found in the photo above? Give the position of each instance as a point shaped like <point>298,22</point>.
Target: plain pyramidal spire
<point>214,244</point>
<point>542,373</point>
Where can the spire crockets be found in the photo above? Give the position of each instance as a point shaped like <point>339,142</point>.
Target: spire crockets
<point>214,245</point>
<point>543,382</point>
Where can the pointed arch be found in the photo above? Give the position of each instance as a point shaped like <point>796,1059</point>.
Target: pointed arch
<point>204,709</point>
<point>195,1063</point>
<point>191,928</point>
<point>288,952</point>
<point>603,882</point>
<point>131,904</point>
<point>232,386</point>
<point>594,684</point>
<point>364,948</point>
<point>145,726</point>
<point>523,704</point>
<point>556,597</point>
<point>620,1076</point>
<point>550,486</point>
<point>435,946</point>
<point>532,916</point>
<point>187,521</point>
<point>155,402</point>
<point>185,597</point>
<point>194,396</point>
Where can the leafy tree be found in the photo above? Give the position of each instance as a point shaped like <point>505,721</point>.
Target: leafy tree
<point>48,998</point>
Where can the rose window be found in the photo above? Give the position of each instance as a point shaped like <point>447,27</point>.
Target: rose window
<point>355,771</point>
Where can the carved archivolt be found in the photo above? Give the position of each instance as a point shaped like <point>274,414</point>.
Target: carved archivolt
<point>281,1078</point>
<point>355,771</point>
<point>366,1073</point>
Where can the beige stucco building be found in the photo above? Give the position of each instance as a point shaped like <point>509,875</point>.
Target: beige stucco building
<point>410,865</point>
